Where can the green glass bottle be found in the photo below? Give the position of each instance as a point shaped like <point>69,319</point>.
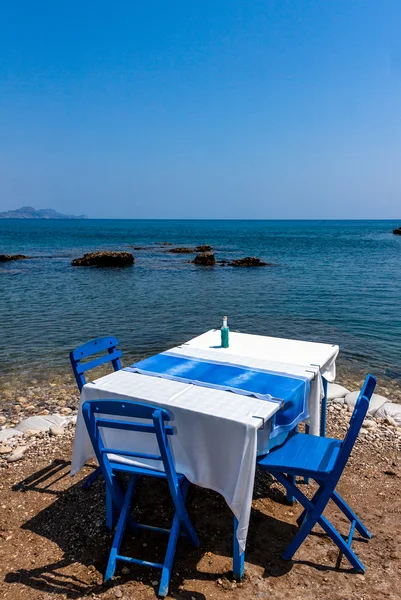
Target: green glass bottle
<point>224,334</point>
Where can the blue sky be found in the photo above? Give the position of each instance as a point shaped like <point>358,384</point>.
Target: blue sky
<point>212,109</point>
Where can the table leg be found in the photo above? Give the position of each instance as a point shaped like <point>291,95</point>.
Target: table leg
<point>323,414</point>
<point>238,559</point>
<point>306,479</point>
<point>290,498</point>
<point>323,417</point>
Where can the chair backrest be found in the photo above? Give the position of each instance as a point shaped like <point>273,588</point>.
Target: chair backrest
<point>100,414</point>
<point>358,416</point>
<point>94,347</point>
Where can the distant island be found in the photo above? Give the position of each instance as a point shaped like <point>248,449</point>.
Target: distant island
<point>28,212</point>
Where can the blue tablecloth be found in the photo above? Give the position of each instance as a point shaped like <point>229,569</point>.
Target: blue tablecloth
<point>291,391</point>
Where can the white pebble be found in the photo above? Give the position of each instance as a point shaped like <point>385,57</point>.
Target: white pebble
<point>55,430</point>
<point>368,424</point>
<point>17,454</point>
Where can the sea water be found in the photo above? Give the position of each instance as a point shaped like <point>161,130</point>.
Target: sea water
<point>330,281</point>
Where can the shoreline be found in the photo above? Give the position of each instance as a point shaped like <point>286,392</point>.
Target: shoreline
<point>52,402</point>
<point>23,395</point>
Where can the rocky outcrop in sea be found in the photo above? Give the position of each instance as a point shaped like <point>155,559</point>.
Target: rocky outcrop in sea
<point>104,259</point>
<point>248,261</point>
<point>9,257</point>
<point>206,259</point>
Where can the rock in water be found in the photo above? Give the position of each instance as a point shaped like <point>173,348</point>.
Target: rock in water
<point>248,261</point>
<point>104,259</point>
<point>181,250</point>
<point>204,248</point>
<point>397,231</point>
<point>8,257</point>
<point>206,259</point>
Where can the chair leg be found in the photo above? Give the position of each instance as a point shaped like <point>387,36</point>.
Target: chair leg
<point>91,478</point>
<point>349,513</point>
<point>186,524</point>
<point>122,521</point>
<point>169,558</point>
<point>114,501</point>
<point>181,521</point>
<point>111,510</point>
<point>344,547</point>
<point>314,499</point>
<point>310,516</point>
<point>300,537</point>
<point>289,496</point>
<point>301,518</point>
<point>238,558</point>
<point>314,509</point>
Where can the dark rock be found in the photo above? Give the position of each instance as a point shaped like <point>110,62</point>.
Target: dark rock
<point>181,250</point>
<point>397,231</point>
<point>142,247</point>
<point>248,261</point>
<point>8,257</point>
<point>205,248</point>
<point>105,259</point>
<point>206,258</point>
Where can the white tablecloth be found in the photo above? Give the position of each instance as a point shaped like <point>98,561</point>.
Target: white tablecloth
<point>216,441</point>
<point>279,350</point>
<point>294,357</point>
<point>217,432</point>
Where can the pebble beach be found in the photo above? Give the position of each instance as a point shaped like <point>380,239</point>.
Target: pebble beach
<point>54,542</point>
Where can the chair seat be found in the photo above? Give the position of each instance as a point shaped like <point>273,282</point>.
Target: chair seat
<point>303,454</point>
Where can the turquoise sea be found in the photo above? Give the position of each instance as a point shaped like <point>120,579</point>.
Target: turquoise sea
<point>332,281</point>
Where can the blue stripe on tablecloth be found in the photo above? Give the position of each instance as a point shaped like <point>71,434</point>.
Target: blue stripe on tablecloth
<point>290,390</point>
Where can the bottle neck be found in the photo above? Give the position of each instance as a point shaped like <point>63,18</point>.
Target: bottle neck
<point>225,322</point>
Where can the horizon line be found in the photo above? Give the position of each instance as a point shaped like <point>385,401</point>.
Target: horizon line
<point>322,219</point>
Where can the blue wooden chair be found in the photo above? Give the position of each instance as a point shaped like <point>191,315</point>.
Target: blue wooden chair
<point>92,347</point>
<point>322,459</point>
<point>104,344</point>
<point>101,415</point>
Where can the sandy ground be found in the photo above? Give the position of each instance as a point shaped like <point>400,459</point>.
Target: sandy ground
<point>54,543</point>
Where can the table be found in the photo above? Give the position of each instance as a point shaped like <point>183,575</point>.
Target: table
<point>279,354</point>
<point>218,433</point>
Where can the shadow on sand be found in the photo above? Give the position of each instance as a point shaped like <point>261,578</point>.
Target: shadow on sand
<point>74,521</point>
